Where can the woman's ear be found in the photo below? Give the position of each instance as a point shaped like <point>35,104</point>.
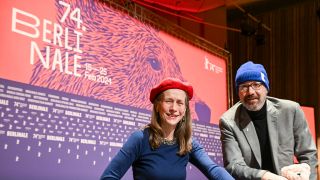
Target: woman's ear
<point>156,107</point>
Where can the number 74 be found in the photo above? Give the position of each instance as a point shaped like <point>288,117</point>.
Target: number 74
<point>75,15</point>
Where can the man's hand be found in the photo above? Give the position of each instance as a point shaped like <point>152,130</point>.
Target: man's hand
<point>296,171</point>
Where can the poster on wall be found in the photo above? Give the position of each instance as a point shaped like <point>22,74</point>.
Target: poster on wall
<point>75,77</point>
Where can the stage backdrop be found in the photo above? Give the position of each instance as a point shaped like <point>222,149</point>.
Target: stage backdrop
<point>309,113</point>
<point>75,78</point>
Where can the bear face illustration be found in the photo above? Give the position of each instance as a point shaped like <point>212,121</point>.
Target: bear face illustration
<point>131,54</point>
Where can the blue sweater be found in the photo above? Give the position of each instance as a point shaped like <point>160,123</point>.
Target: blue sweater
<point>161,163</point>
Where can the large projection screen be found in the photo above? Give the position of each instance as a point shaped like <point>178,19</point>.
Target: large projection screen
<point>75,77</point>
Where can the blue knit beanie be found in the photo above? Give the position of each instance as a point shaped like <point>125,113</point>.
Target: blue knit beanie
<point>251,72</point>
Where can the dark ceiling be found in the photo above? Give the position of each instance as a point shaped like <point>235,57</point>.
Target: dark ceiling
<point>255,7</point>
<point>235,8</point>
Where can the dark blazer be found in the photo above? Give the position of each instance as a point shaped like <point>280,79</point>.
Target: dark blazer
<point>289,135</point>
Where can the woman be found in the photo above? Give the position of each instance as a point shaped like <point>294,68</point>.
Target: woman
<point>164,147</point>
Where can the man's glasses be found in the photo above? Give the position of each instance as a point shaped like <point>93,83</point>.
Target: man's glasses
<point>254,85</point>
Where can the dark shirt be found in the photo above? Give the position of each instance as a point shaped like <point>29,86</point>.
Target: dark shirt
<point>259,119</point>
<point>161,163</point>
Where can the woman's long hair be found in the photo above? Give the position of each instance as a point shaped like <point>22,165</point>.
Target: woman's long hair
<point>182,133</point>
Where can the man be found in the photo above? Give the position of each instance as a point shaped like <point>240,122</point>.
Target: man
<point>261,134</point>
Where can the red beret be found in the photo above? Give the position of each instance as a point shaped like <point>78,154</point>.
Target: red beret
<point>171,83</point>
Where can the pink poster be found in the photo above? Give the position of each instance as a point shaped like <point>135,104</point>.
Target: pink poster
<point>75,77</point>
